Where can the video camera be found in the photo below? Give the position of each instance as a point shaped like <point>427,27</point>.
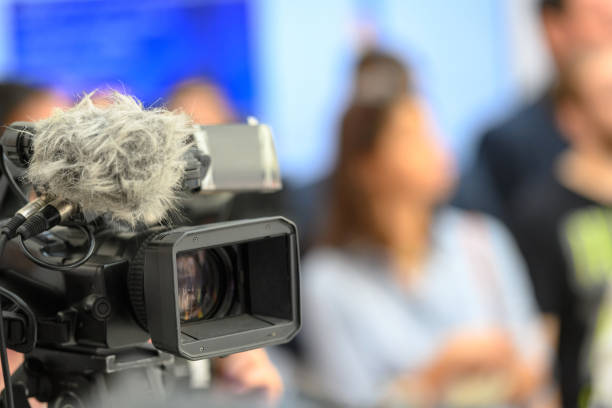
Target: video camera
<point>194,291</point>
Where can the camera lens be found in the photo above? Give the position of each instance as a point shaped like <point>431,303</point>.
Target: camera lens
<point>205,283</point>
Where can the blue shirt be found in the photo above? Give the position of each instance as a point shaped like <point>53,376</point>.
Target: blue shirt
<point>361,329</point>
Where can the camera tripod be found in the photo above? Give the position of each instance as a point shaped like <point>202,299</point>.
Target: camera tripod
<point>70,379</point>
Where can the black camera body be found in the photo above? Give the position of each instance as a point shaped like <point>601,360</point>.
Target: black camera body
<point>82,296</point>
<point>196,292</point>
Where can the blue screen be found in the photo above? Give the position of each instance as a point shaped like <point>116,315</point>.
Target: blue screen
<point>142,47</point>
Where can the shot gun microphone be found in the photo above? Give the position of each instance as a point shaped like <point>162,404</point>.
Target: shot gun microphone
<point>120,160</point>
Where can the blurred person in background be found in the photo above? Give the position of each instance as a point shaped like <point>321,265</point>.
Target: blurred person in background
<point>563,227</point>
<point>525,146</point>
<point>378,76</point>
<point>530,140</point>
<point>407,303</point>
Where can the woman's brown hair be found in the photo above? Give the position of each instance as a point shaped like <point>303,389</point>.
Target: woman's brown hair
<point>351,215</point>
<point>381,80</point>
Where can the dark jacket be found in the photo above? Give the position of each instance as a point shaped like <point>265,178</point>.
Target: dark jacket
<point>508,156</point>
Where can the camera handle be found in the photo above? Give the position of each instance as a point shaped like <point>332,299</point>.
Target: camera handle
<point>68,379</point>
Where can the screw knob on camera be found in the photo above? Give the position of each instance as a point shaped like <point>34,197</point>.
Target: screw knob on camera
<point>98,306</point>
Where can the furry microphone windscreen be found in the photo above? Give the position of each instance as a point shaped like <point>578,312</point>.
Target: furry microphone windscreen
<point>117,159</point>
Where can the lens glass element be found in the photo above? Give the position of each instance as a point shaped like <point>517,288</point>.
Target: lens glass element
<point>200,284</point>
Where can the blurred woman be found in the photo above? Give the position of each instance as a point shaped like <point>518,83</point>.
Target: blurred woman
<point>409,302</point>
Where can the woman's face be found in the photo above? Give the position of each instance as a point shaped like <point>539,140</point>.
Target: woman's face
<point>409,162</point>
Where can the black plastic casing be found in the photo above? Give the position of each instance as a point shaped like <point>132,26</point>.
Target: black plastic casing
<point>268,279</point>
<point>60,300</point>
